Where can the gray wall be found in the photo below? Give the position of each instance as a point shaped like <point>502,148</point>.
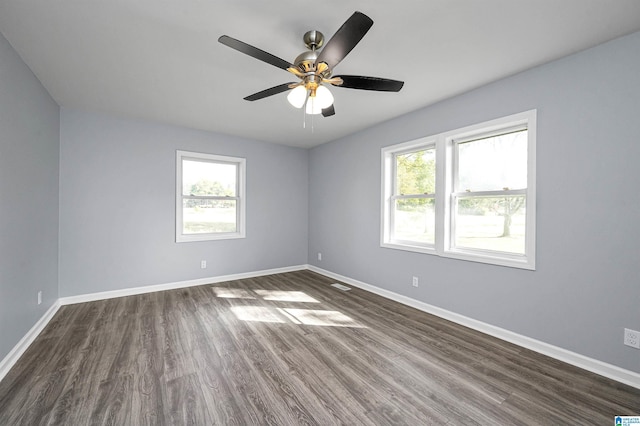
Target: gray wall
<point>29,150</point>
<point>117,205</point>
<point>586,288</point>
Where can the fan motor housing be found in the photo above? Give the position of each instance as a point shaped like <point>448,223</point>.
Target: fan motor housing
<point>306,60</point>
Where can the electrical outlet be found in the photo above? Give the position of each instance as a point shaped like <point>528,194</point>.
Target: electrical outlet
<point>415,282</point>
<point>632,338</point>
<point>203,264</point>
<point>39,297</point>
<point>319,256</point>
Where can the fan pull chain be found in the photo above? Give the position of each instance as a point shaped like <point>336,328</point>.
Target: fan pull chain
<point>304,117</point>
<point>312,100</point>
<point>304,112</point>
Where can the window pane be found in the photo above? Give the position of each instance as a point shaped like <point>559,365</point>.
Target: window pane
<point>416,172</point>
<point>209,216</point>
<point>494,163</point>
<point>491,223</point>
<point>208,178</point>
<point>414,220</point>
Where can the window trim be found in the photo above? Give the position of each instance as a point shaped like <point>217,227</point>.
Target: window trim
<point>240,164</point>
<point>388,194</point>
<point>445,196</point>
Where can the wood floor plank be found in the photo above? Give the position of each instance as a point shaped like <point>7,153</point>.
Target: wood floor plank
<point>289,349</point>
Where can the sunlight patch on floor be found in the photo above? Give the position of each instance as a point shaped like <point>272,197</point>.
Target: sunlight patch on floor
<point>257,313</point>
<point>296,316</point>
<point>323,318</point>
<point>286,296</point>
<point>233,293</point>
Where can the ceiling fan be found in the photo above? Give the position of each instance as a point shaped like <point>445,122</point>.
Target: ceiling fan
<point>315,67</point>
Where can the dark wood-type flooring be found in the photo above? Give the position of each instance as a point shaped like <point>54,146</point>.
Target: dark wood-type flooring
<point>289,349</point>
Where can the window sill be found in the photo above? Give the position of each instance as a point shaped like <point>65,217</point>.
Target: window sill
<point>514,261</point>
<point>409,247</point>
<point>511,261</point>
<point>208,237</point>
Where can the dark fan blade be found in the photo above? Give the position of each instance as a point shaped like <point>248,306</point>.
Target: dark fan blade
<point>269,92</point>
<point>370,83</point>
<point>329,111</point>
<point>345,39</point>
<point>247,49</point>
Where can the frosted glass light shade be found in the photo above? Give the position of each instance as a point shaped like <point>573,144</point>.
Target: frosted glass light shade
<point>324,97</point>
<point>322,100</point>
<point>297,96</point>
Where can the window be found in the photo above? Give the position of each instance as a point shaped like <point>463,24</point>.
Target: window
<point>210,201</point>
<point>466,194</point>
<point>412,187</point>
<point>490,193</point>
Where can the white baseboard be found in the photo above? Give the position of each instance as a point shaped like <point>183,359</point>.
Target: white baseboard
<point>91,297</point>
<point>17,351</point>
<point>602,368</point>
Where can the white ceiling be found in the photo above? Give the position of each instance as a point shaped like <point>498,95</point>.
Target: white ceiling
<point>160,59</point>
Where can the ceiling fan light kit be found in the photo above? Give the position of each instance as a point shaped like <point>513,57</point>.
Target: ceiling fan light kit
<point>316,99</point>
<point>314,67</point>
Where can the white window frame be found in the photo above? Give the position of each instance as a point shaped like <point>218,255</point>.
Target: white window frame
<point>445,197</point>
<point>389,155</point>
<point>240,164</point>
